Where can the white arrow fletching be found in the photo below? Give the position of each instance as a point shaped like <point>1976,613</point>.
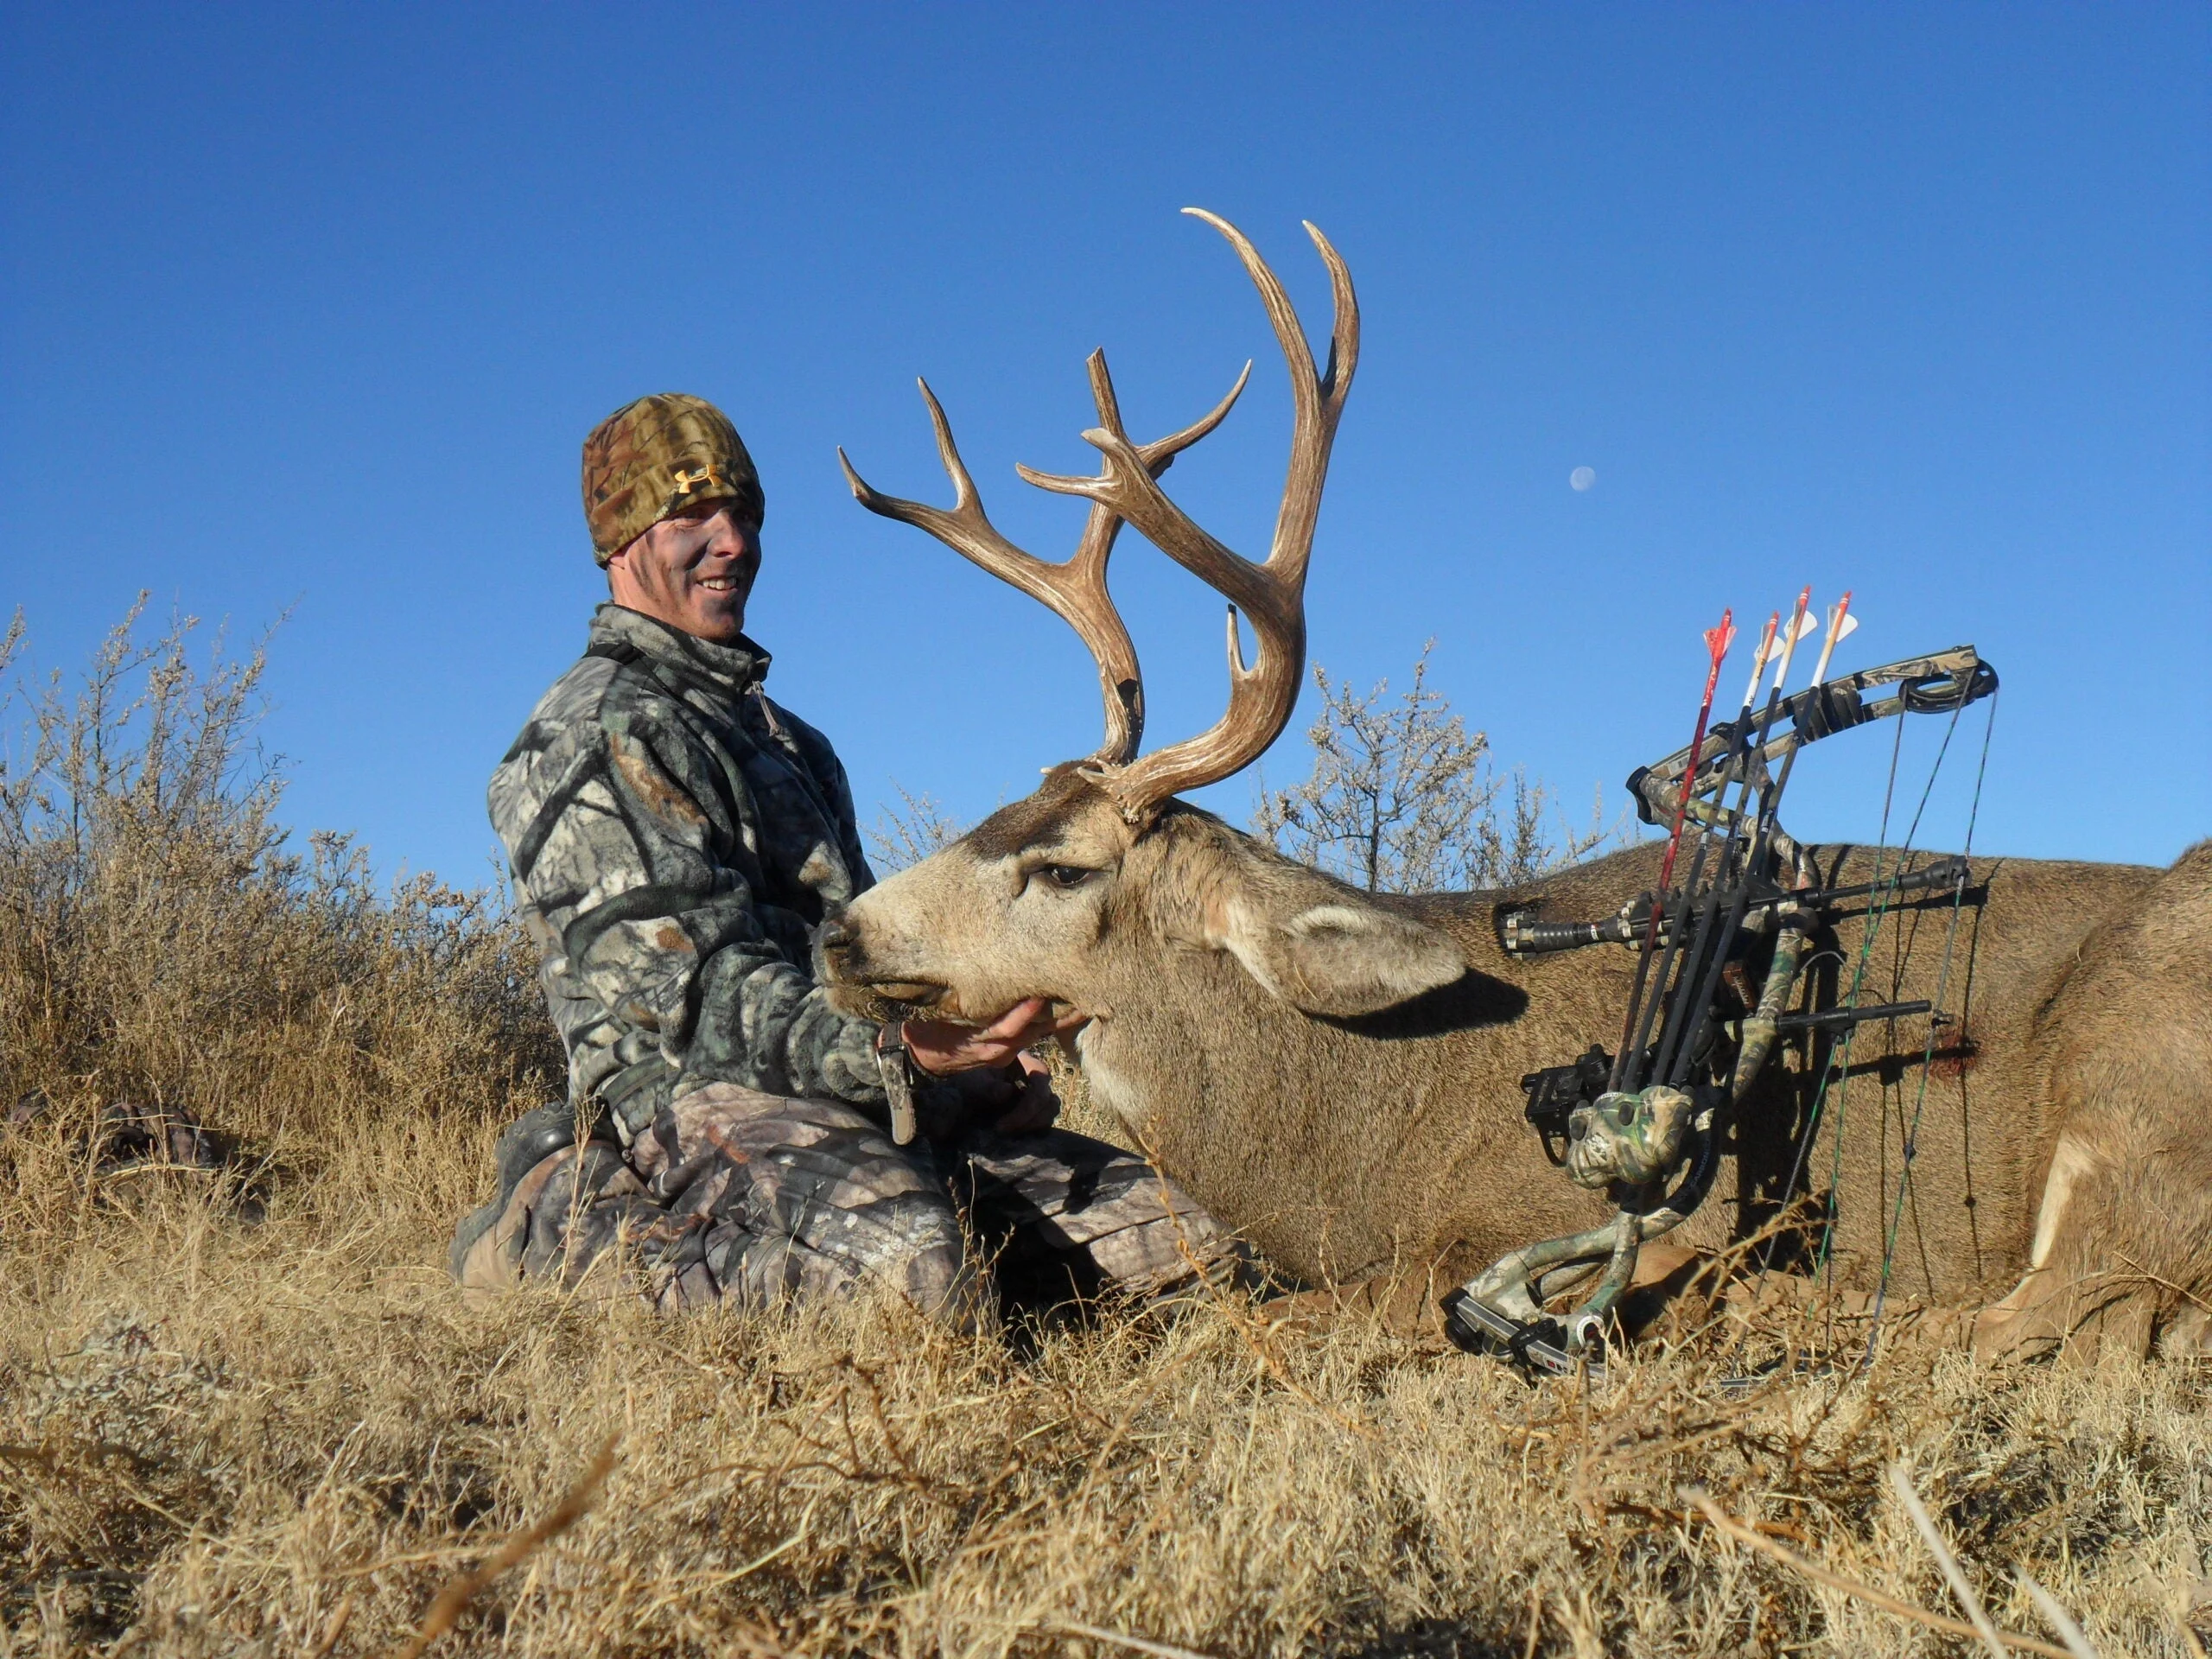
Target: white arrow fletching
<point>1840,622</point>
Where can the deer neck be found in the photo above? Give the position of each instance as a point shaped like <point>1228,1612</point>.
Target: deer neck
<point>1266,1115</point>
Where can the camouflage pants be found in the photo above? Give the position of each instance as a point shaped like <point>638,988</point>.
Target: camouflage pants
<point>746,1197</point>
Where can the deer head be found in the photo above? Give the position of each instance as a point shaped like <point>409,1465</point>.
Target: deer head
<point>1092,888</point>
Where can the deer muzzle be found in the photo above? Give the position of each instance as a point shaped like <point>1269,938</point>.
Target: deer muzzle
<point>841,962</point>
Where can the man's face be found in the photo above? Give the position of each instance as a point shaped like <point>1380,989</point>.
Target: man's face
<point>694,572</point>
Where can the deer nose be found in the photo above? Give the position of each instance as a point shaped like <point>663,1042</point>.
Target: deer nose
<point>836,935</point>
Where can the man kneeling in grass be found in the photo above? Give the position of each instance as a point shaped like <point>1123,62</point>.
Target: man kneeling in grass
<point>676,837</point>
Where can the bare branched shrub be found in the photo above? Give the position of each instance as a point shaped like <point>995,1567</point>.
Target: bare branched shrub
<point>1403,798</point>
<point>910,832</point>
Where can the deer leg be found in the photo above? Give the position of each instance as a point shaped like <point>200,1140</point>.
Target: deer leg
<point>2122,1253</point>
<point>2078,1300</point>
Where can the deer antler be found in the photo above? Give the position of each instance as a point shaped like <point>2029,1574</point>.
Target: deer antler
<point>1074,591</point>
<point>1272,593</point>
<point>1127,489</point>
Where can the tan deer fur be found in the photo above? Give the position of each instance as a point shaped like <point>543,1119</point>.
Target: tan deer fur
<point>1336,1074</point>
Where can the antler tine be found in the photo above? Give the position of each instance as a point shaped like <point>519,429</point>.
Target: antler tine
<point>1271,593</point>
<point>1157,456</point>
<point>1074,591</point>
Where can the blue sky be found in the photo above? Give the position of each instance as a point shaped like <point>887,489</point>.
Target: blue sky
<point>310,309</point>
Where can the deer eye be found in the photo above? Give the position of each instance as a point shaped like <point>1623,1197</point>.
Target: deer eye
<point>1066,875</point>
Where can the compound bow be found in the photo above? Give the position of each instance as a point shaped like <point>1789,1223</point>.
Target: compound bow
<point>1646,1125</point>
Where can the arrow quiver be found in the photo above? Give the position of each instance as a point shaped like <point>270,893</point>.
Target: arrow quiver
<point>1646,1126</point>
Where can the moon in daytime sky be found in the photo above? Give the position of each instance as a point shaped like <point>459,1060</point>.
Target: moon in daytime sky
<point>1583,477</point>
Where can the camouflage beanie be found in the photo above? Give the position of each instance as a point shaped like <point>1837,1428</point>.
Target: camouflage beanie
<point>662,455</point>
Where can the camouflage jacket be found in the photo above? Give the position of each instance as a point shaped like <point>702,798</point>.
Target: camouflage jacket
<point>676,837</point>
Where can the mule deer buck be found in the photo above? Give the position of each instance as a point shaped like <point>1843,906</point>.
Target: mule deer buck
<point>1337,1073</point>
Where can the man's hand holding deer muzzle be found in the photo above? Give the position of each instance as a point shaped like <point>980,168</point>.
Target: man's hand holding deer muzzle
<point>992,1065</point>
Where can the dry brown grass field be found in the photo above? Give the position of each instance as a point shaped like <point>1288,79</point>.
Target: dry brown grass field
<point>243,1411</point>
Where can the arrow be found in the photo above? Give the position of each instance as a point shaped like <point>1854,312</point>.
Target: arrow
<point>1760,658</point>
<point>1840,622</point>
<point>1801,624</point>
<point>1717,641</point>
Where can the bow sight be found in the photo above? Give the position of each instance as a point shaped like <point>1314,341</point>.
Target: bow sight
<point>1646,1124</point>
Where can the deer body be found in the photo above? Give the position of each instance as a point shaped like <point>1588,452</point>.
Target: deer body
<point>1335,1074</point>
<point>1351,1140</point>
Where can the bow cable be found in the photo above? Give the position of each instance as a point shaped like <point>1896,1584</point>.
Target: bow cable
<point>1927,1053</point>
<point>1840,1063</point>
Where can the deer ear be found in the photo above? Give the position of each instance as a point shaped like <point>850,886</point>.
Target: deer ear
<point>1331,951</point>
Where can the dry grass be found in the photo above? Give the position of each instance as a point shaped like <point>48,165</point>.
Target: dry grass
<point>289,1437</point>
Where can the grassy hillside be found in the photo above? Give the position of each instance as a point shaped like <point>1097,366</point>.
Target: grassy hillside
<point>242,1411</point>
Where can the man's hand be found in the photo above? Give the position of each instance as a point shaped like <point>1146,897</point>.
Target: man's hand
<point>1016,1099</point>
<point>1035,1106</point>
<point>997,1076</point>
<point>941,1048</point>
